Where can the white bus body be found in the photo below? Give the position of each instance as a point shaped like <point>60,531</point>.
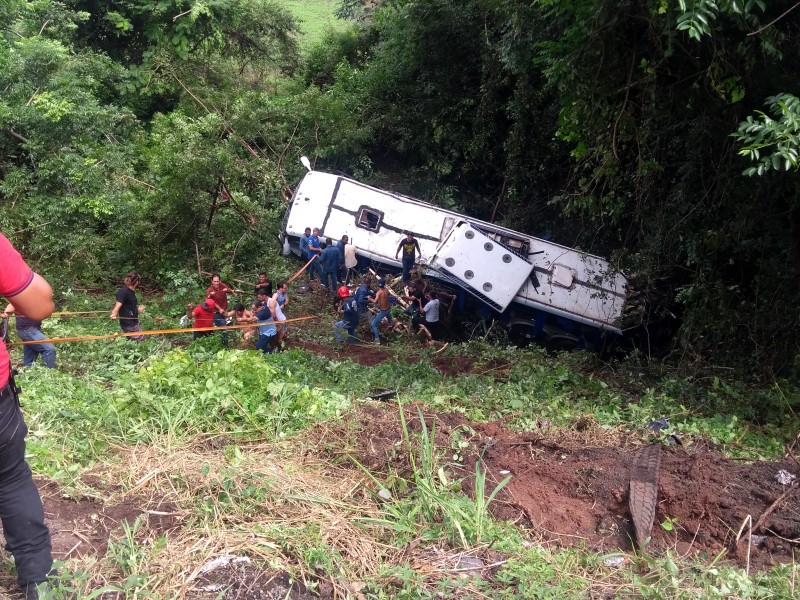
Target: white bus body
<point>504,268</point>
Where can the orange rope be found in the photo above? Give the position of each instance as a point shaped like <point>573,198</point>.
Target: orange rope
<point>85,338</point>
<point>296,275</point>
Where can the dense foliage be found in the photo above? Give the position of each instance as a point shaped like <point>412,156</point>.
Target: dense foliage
<point>661,133</point>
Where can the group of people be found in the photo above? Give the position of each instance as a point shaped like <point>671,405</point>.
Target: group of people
<point>266,312</point>
<point>31,301</point>
<point>332,264</point>
<point>422,306</point>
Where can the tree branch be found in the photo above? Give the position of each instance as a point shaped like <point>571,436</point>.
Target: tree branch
<point>14,134</point>
<point>771,23</point>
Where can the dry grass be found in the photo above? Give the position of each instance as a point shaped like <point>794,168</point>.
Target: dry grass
<point>208,486</point>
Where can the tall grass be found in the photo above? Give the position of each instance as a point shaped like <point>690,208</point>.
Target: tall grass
<point>316,18</point>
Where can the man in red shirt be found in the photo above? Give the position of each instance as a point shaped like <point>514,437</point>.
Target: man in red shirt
<point>21,511</point>
<point>203,316</point>
<point>218,292</point>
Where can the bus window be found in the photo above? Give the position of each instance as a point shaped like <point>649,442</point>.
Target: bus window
<point>369,219</point>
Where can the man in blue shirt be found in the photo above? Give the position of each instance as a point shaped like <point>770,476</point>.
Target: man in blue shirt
<point>329,260</point>
<point>314,250</point>
<point>304,242</point>
<point>362,295</point>
<point>350,318</point>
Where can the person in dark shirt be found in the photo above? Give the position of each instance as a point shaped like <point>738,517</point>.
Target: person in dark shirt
<point>362,296</point>
<point>410,248</point>
<point>21,510</point>
<point>30,330</point>
<point>263,282</point>
<point>127,309</point>
<point>329,259</point>
<point>350,316</point>
<point>415,297</point>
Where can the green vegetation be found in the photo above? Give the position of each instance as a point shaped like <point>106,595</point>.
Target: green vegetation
<point>245,450</point>
<point>316,18</point>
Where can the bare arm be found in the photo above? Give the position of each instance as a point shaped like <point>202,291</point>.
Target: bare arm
<point>8,311</point>
<point>115,310</point>
<point>36,300</point>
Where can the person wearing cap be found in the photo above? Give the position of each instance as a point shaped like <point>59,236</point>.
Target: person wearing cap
<point>410,248</point>
<point>26,535</point>
<point>381,298</point>
<point>203,316</point>
<point>350,316</point>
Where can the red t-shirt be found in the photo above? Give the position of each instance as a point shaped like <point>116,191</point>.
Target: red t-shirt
<point>219,296</point>
<point>202,317</point>
<point>15,276</point>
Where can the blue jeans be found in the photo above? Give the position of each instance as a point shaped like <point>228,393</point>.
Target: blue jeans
<point>221,321</point>
<point>31,351</point>
<point>264,343</point>
<point>384,313</point>
<point>351,332</point>
<point>329,280</point>
<point>314,267</point>
<point>408,264</point>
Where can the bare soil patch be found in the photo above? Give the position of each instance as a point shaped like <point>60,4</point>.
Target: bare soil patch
<point>570,487</point>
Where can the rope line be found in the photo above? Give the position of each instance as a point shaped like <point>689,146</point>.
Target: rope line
<point>85,338</point>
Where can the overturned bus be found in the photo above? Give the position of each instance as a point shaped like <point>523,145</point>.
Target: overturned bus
<point>537,289</point>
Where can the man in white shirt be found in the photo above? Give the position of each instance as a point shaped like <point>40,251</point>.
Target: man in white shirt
<point>350,261</point>
<point>430,314</point>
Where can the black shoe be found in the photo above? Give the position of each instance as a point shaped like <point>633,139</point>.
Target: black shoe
<point>39,591</point>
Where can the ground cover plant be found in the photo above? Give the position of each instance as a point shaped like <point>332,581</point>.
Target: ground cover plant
<point>177,469</point>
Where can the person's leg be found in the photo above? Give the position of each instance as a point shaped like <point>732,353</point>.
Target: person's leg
<point>132,328</point>
<point>377,320</point>
<point>317,269</point>
<point>31,351</point>
<point>265,344</point>
<point>351,337</point>
<point>21,510</point>
<point>28,353</point>
<point>337,328</point>
<point>408,264</point>
<point>221,321</point>
<point>374,325</point>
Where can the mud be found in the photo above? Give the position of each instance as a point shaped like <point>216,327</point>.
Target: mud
<point>572,488</point>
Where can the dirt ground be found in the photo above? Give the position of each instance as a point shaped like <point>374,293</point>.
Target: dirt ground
<point>568,487</point>
<point>571,487</point>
